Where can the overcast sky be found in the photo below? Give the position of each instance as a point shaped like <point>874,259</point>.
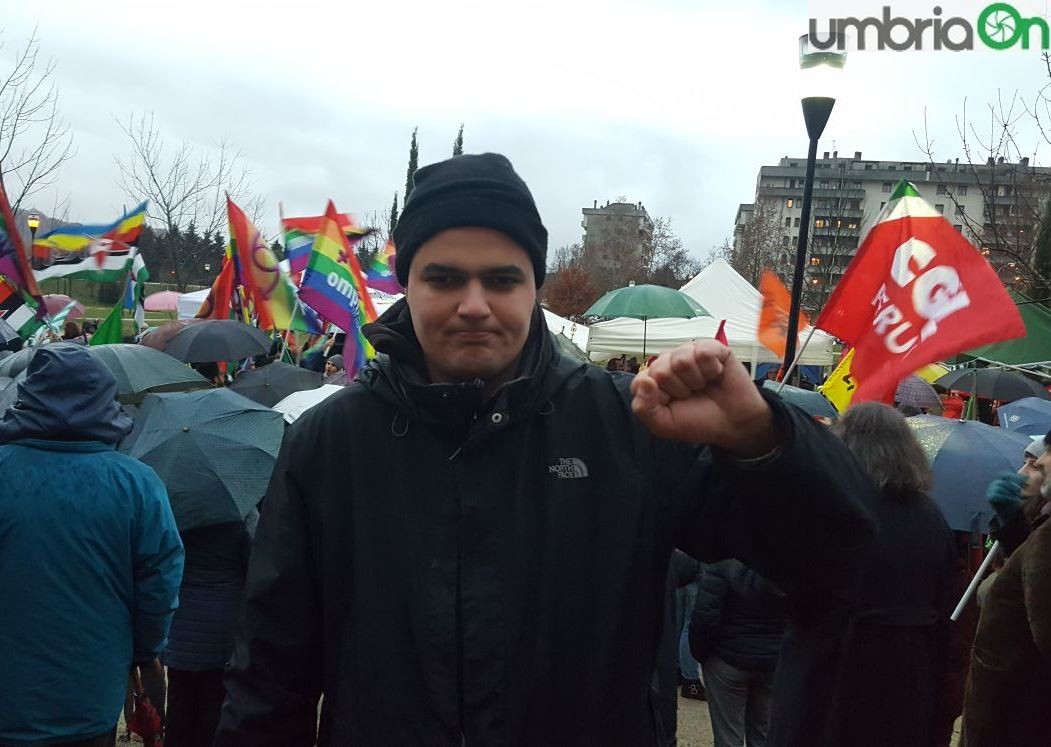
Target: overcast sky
<point>674,103</point>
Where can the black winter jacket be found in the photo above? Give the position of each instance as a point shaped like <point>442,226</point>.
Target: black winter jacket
<point>739,616</point>
<point>448,570</point>
<point>202,634</point>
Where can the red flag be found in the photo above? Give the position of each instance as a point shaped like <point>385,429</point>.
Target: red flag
<point>720,334</point>
<point>773,319</point>
<point>13,264</point>
<point>916,292</point>
<point>217,304</point>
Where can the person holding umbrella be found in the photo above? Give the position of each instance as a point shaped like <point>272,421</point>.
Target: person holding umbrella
<point>90,559</point>
<point>1009,685</point>
<point>488,564</point>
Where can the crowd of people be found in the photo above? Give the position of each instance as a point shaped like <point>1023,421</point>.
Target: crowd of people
<point>481,541</point>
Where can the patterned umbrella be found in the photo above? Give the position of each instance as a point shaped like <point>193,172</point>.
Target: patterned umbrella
<point>1030,416</point>
<point>916,392</point>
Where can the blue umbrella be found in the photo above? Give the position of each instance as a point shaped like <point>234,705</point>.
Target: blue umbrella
<point>965,456</point>
<point>811,402</point>
<point>1030,415</point>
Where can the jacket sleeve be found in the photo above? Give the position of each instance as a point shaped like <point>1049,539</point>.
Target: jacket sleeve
<point>158,564</point>
<point>707,613</point>
<point>797,516</point>
<point>274,678</point>
<point>1036,569</point>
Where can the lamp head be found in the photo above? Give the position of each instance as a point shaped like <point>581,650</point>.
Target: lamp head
<point>33,221</point>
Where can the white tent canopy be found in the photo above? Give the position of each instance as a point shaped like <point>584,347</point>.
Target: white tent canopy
<point>190,303</point>
<point>726,295</point>
<point>577,333</point>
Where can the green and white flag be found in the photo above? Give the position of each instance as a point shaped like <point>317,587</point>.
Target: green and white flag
<point>112,268</point>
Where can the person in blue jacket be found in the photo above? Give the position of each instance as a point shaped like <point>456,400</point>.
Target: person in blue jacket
<point>90,558</point>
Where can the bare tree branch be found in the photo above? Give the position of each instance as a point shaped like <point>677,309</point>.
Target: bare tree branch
<point>34,140</point>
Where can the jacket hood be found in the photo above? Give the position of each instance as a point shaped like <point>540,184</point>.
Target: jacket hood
<point>398,374</point>
<point>67,395</point>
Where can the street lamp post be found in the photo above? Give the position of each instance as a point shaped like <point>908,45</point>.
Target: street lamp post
<point>33,221</point>
<point>819,68</point>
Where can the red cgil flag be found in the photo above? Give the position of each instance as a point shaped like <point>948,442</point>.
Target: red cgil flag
<point>720,334</point>
<point>915,293</point>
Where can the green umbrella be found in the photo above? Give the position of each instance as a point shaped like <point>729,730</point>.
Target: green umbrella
<point>213,449</point>
<point>646,302</point>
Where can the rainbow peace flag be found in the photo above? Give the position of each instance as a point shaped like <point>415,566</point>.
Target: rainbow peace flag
<point>333,286</point>
<point>79,239</point>
<point>266,285</point>
<point>300,232</point>
<point>380,272</point>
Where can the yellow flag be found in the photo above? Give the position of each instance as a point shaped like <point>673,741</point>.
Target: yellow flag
<point>839,387</point>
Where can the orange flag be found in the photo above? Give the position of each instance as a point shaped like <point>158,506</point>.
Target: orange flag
<point>773,320</point>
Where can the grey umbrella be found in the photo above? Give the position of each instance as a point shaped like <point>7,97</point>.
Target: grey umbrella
<point>990,383</point>
<point>214,450</point>
<point>217,340</point>
<point>141,370</point>
<point>811,402</point>
<point>271,383</point>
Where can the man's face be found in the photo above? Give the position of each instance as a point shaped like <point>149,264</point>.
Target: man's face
<point>471,294</point>
<point>1042,466</point>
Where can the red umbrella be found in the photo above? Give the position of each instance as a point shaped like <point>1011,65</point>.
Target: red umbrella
<point>55,302</point>
<point>162,301</point>
<point>144,721</point>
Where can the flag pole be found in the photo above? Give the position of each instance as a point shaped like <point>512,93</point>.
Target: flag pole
<point>795,361</point>
<point>973,586</point>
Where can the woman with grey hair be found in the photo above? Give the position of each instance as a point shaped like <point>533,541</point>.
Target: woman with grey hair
<point>895,657</point>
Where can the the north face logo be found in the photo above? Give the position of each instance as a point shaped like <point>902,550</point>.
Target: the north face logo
<point>569,468</point>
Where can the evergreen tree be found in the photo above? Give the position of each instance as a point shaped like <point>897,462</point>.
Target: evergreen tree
<point>277,249</point>
<point>414,154</point>
<point>394,214</point>
<point>458,143</point>
<point>1041,285</point>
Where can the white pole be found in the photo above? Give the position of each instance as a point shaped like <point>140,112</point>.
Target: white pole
<point>799,355</point>
<point>973,586</point>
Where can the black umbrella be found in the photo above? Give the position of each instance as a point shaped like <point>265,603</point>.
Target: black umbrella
<point>217,340</point>
<point>270,384</point>
<point>140,370</point>
<point>990,383</point>
<point>811,402</point>
<point>214,450</point>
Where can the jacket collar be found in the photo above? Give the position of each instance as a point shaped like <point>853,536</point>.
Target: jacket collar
<point>398,375</point>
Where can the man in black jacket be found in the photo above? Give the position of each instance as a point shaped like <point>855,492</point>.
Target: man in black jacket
<point>469,544</point>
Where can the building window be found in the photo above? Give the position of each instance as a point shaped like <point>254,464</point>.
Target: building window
<point>857,185</point>
<point>892,168</point>
<point>1002,190</point>
<point>819,223</point>
<point>886,186</point>
<point>797,223</point>
<point>793,164</point>
<point>791,183</point>
<point>940,208</point>
<point>941,189</point>
<point>785,240</point>
<point>882,205</point>
<point>815,260</point>
<point>789,203</point>
<point>958,227</point>
<point>906,167</point>
<point>959,209</point>
<point>788,222</point>
<point>962,190</point>
<point>823,184</point>
<point>852,226</point>
<point>868,167</point>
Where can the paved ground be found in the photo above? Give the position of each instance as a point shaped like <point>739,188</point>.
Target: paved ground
<point>695,729</point>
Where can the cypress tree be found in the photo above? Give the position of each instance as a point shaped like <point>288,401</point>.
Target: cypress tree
<point>458,143</point>
<point>414,153</point>
<point>394,214</point>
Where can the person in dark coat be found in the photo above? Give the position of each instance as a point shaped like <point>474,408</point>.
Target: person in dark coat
<point>736,630</point>
<point>487,565</point>
<point>202,634</point>
<point>895,651</point>
<point>1009,685</point>
<point>682,569</point>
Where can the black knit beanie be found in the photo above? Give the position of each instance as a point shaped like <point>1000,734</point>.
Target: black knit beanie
<point>480,191</point>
